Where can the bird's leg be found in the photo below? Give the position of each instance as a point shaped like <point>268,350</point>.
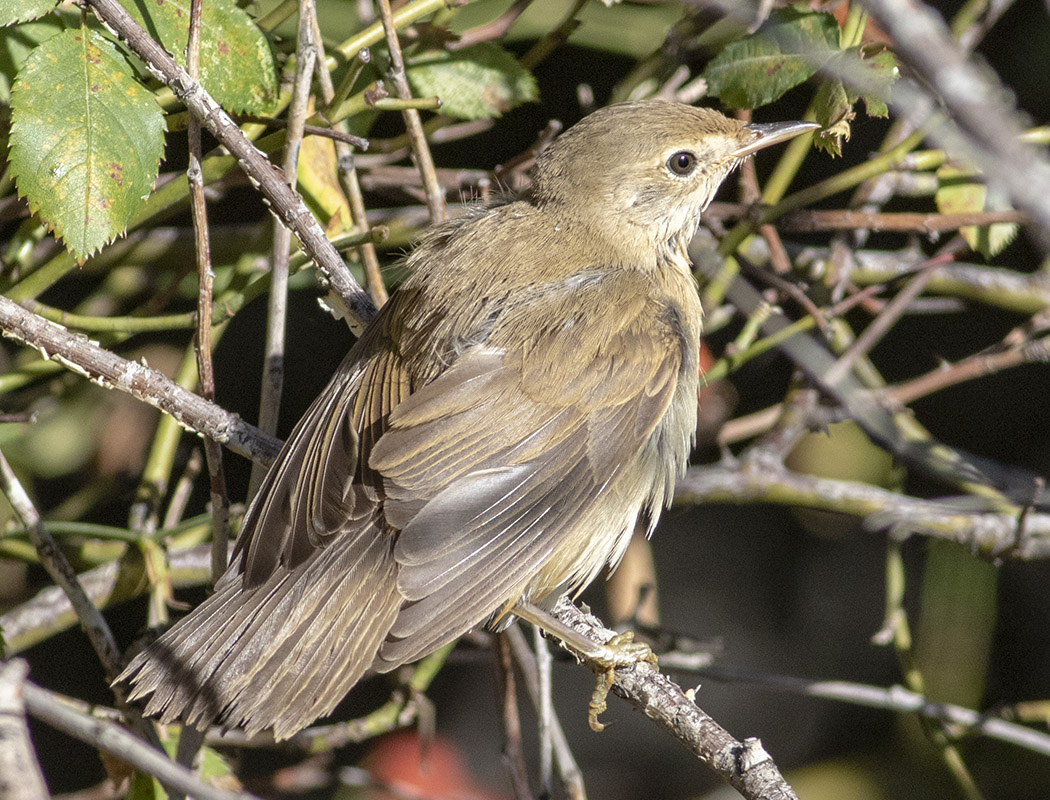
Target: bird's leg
<point>602,658</point>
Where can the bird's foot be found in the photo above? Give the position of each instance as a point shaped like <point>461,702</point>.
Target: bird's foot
<point>620,651</point>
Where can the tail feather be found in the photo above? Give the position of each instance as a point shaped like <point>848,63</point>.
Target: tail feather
<point>277,655</point>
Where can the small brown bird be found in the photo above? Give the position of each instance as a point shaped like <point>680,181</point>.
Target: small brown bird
<point>492,438</point>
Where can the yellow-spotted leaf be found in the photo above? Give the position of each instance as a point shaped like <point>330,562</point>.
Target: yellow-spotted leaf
<point>237,66</point>
<point>16,42</point>
<point>86,138</point>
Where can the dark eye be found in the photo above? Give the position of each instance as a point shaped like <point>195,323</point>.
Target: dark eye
<point>682,163</point>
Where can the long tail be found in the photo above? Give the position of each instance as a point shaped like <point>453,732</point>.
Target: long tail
<point>278,655</point>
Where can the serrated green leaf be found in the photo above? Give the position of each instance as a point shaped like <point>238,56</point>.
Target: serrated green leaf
<point>478,82</point>
<point>834,111</point>
<point>16,42</point>
<point>12,11</point>
<point>787,50</point>
<point>86,138</point>
<point>237,66</point>
<point>961,192</point>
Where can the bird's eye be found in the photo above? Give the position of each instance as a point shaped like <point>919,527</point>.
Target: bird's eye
<point>682,163</point>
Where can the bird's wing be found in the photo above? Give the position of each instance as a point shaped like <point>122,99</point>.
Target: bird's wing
<point>490,467</point>
<point>311,591</point>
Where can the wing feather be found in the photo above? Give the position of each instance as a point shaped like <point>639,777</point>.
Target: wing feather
<point>501,462</point>
<point>311,591</point>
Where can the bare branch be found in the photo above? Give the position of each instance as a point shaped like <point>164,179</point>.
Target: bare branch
<point>20,776</point>
<point>420,148</point>
<point>893,698</point>
<point>987,533</point>
<point>109,370</point>
<point>62,573</point>
<point>112,738</point>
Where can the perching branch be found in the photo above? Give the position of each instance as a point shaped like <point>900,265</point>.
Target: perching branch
<point>745,766</point>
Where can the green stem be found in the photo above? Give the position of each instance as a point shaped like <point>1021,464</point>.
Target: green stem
<point>278,15</point>
<point>789,163</point>
<point>164,322</point>
<point>373,34</point>
<point>853,29</point>
<point>728,364</point>
<point>358,104</point>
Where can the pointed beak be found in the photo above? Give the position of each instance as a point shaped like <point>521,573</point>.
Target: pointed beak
<point>767,133</point>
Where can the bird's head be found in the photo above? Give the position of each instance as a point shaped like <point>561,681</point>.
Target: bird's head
<point>648,168</point>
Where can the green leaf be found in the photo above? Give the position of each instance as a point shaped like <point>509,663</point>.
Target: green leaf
<point>961,192</point>
<point>834,103</point>
<point>23,10</point>
<point>834,110</point>
<point>86,138</point>
<point>478,82</point>
<point>237,66</point>
<point>787,50</point>
<point>16,42</point>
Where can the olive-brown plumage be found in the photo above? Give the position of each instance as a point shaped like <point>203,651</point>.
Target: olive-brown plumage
<point>494,435</point>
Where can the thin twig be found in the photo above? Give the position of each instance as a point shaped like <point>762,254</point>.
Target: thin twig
<point>882,324</point>
<point>348,180</point>
<point>513,752</point>
<point>190,742</point>
<point>892,698</point>
<point>308,130</point>
<point>491,30</point>
<point>931,223</point>
<point>220,501</point>
<point>978,365</point>
<point>277,307</point>
<point>62,573</point>
<point>420,148</point>
<point>568,769</point>
<point>180,493</point>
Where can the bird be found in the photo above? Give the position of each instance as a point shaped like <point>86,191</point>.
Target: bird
<point>526,396</point>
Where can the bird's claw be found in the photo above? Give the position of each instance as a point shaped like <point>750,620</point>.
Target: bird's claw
<point>620,651</point>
